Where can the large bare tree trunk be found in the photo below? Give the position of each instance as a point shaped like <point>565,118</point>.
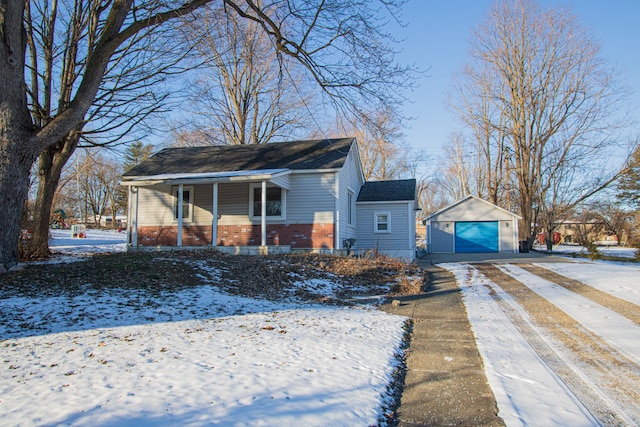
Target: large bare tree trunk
<point>15,167</point>
<point>15,131</point>
<point>50,165</point>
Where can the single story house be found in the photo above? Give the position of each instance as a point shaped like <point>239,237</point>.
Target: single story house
<point>472,225</point>
<point>270,198</point>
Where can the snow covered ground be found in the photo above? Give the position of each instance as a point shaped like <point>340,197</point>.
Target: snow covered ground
<point>614,251</point>
<point>540,378</point>
<point>97,241</point>
<point>202,357</point>
<point>219,360</point>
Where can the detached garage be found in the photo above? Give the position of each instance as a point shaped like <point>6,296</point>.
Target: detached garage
<point>472,225</point>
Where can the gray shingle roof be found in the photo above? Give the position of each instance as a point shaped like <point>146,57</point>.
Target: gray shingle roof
<point>388,191</point>
<point>297,155</point>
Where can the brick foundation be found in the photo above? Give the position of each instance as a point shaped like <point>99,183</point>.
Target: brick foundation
<point>298,236</point>
<point>193,235</point>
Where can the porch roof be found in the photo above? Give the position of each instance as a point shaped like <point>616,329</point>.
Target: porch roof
<point>211,177</point>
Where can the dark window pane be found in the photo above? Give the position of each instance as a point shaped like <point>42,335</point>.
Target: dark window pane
<point>274,201</point>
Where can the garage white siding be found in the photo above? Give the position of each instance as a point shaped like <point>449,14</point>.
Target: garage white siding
<point>472,225</point>
<point>441,237</point>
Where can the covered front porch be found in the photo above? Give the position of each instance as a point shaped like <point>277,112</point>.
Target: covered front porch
<point>279,177</point>
<point>236,212</point>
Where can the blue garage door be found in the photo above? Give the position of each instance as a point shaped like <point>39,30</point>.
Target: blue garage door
<point>477,236</point>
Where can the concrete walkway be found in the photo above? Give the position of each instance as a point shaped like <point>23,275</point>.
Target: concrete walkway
<point>445,383</point>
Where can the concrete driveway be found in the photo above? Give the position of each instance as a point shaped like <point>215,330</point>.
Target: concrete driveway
<point>445,383</point>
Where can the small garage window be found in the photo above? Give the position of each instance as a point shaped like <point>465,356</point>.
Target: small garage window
<point>382,222</point>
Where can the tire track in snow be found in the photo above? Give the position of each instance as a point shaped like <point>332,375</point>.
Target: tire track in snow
<point>623,307</point>
<point>602,378</point>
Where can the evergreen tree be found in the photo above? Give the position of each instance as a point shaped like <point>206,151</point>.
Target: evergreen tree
<point>629,182</point>
<point>136,153</point>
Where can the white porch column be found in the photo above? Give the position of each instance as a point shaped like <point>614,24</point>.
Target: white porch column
<point>263,212</point>
<point>180,197</point>
<point>132,215</point>
<point>336,219</point>
<point>214,221</point>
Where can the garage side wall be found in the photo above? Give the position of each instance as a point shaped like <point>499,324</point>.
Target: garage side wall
<point>473,210</point>
<point>508,242</point>
<point>442,236</point>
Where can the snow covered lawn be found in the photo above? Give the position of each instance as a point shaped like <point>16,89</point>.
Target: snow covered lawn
<point>191,356</point>
<point>612,251</point>
<point>553,356</point>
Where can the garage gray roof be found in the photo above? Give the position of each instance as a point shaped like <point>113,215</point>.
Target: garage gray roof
<point>297,155</point>
<point>388,191</point>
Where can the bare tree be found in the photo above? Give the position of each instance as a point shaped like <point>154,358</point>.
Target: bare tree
<point>60,39</point>
<point>615,221</point>
<point>341,44</point>
<point>431,198</point>
<point>242,93</point>
<point>98,184</point>
<point>456,174</point>
<point>383,152</point>
<point>542,106</point>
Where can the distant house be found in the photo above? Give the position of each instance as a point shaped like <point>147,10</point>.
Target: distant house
<point>107,221</point>
<point>472,225</point>
<point>270,198</point>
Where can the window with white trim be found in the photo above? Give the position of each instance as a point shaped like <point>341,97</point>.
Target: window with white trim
<point>276,202</point>
<point>382,222</point>
<point>350,208</point>
<point>187,202</point>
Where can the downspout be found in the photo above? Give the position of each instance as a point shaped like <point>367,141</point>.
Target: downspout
<point>336,221</point>
<point>132,218</point>
<point>263,213</point>
<point>411,216</point>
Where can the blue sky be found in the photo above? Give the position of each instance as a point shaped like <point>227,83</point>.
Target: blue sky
<point>436,38</point>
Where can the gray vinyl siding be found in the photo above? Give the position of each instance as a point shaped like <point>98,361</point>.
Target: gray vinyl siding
<point>473,210</point>
<point>350,179</point>
<point>202,203</point>
<point>399,237</point>
<point>155,205</point>
<point>442,236</point>
<point>233,203</point>
<point>507,239</point>
<point>311,198</point>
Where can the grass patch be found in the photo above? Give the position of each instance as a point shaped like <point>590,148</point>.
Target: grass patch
<point>271,277</point>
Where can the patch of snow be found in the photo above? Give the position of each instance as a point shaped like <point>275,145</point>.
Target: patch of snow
<point>611,326</point>
<point>622,281</point>
<point>310,366</point>
<point>68,248</point>
<point>615,251</point>
<point>194,356</point>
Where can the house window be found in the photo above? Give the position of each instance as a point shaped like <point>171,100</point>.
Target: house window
<point>382,222</point>
<point>187,203</point>
<point>276,202</point>
<point>350,208</point>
